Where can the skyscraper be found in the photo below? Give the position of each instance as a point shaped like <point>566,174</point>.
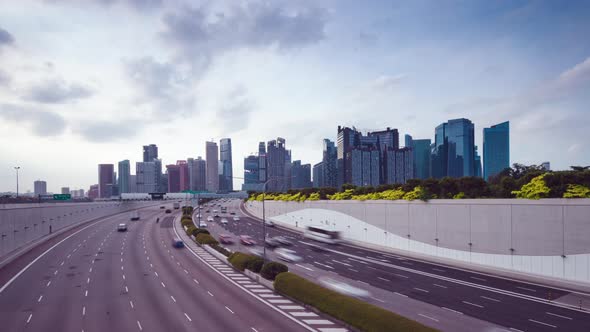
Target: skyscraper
<point>318,175</point>
<point>184,175</point>
<point>226,182</point>
<point>276,163</point>
<point>261,162</point>
<point>301,175</point>
<point>496,149</point>
<point>454,149</point>
<point>65,190</point>
<point>329,164</point>
<point>477,164</point>
<point>40,187</point>
<point>422,153</point>
<point>150,152</point>
<point>132,183</point>
<point>173,178</point>
<point>105,180</point>
<point>408,140</point>
<point>345,142</point>
<point>252,174</point>
<point>197,169</point>
<point>124,173</point>
<point>212,160</point>
<point>146,177</point>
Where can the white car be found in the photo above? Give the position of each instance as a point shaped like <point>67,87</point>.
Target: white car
<point>210,219</point>
<point>343,288</point>
<point>224,221</point>
<point>288,255</point>
<point>236,218</point>
<point>122,227</point>
<point>202,224</point>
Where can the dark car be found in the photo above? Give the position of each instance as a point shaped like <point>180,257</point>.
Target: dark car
<point>168,211</point>
<point>283,240</point>
<point>272,242</point>
<point>162,207</point>
<point>232,213</point>
<point>177,243</point>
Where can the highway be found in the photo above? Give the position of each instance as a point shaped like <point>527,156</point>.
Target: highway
<point>510,304</point>
<point>98,279</point>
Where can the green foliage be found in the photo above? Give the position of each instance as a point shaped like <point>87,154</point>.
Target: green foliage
<point>314,197</point>
<point>359,314</point>
<point>393,194</point>
<point>343,195</point>
<point>271,269</point>
<point>198,231</point>
<point>220,249</point>
<point>577,191</point>
<point>460,195</point>
<point>203,238</point>
<point>187,210</point>
<point>255,264</point>
<point>417,193</point>
<point>535,189</point>
<point>190,229</point>
<point>241,261</point>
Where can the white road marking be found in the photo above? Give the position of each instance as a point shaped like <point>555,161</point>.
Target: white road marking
<point>123,277</point>
<point>55,273</point>
<point>346,264</point>
<point>196,282</point>
<point>422,290</point>
<point>401,275</point>
<point>83,311</point>
<point>40,298</point>
<point>384,279</point>
<point>187,317</point>
<point>85,293</point>
<point>476,278</point>
<point>156,273</point>
<point>228,309</point>
<point>536,321</point>
<point>304,267</point>
<point>209,293</point>
<point>455,311</point>
<point>353,270</point>
<point>131,304</point>
<point>556,315</point>
<point>173,299</point>
<point>48,283</point>
<point>318,263</point>
<point>126,289</point>
<point>317,322</point>
<point>473,304</point>
<point>379,300</point>
<point>490,298</point>
<point>434,319</point>
<point>139,325</point>
<point>163,284</point>
<point>303,314</point>
<point>29,319</point>
<point>441,286</point>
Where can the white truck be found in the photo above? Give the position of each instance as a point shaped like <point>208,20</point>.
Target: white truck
<point>176,206</point>
<point>135,215</point>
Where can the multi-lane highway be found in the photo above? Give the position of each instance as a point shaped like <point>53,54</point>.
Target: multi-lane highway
<point>98,279</point>
<point>507,303</point>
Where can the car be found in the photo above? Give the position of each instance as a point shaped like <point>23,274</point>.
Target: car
<point>168,211</point>
<point>223,221</point>
<point>210,219</point>
<point>271,242</point>
<point>343,288</point>
<point>202,224</point>
<point>247,240</point>
<point>269,223</point>
<point>207,211</point>
<point>257,252</point>
<point>236,218</point>
<point>216,216</point>
<point>122,227</point>
<point>215,211</point>
<point>232,213</point>
<point>226,239</point>
<point>288,255</point>
<point>283,240</point>
<point>162,207</point>
<point>316,247</point>
<point>177,243</point>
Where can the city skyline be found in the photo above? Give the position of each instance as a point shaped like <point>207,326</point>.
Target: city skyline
<point>74,82</point>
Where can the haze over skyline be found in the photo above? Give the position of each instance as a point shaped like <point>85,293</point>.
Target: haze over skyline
<point>89,82</point>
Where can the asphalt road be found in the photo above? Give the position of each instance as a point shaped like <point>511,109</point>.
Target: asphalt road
<point>508,303</point>
<point>98,279</point>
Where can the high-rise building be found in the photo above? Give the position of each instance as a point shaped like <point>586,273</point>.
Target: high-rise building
<point>421,154</point>
<point>212,160</point>
<point>476,164</point>
<point>388,138</point>
<point>408,140</point>
<point>546,166</point>
<point>329,164</point>
<point>226,182</point>
<point>319,175</point>
<point>184,176</point>
<point>197,169</point>
<point>105,180</point>
<point>454,149</point>
<point>400,165</point>
<point>173,178</point>
<point>276,162</point>
<point>150,152</point>
<point>132,183</point>
<point>124,174</point>
<point>93,191</point>
<point>65,191</point>
<point>301,175</point>
<point>40,187</point>
<point>146,177</point>
<point>345,143</point>
<point>496,149</point>
<point>364,164</point>
<point>252,174</point>
<point>261,162</point>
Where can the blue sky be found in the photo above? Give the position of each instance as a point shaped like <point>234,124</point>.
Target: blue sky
<point>88,82</point>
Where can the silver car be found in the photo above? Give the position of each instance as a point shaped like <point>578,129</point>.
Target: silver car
<point>343,288</point>
<point>288,255</point>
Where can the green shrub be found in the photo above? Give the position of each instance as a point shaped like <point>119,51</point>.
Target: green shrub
<point>577,191</point>
<point>240,260</point>
<point>362,315</point>
<point>271,269</point>
<point>536,189</point>
<point>206,239</point>
<point>190,230</point>
<point>255,264</point>
<point>200,231</point>
<point>221,249</point>
<point>186,222</point>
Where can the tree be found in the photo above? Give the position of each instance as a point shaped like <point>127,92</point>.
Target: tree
<point>577,191</point>
<point>535,189</point>
<point>580,168</point>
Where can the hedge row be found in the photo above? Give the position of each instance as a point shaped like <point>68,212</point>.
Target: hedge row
<point>241,260</point>
<point>362,315</point>
<point>203,238</point>
<point>271,269</point>
<point>221,249</point>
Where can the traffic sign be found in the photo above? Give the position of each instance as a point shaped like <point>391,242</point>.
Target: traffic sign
<point>62,197</point>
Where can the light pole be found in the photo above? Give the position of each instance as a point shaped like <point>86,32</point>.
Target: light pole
<point>17,168</point>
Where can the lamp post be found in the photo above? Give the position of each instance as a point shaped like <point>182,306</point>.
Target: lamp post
<point>17,168</point>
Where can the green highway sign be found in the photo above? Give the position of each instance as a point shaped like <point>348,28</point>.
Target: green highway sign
<point>62,197</point>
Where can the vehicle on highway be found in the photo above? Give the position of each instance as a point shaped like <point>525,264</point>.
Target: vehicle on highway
<point>226,239</point>
<point>317,247</point>
<point>207,211</point>
<point>236,218</point>
<point>223,221</point>
<point>162,207</point>
<point>283,240</point>
<point>343,288</point>
<point>210,219</point>
<point>215,211</point>
<point>177,243</point>
<point>232,213</point>
<point>168,211</point>
<point>202,224</point>
<point>271,242</point>
<point>216,216</point>
<point>321,234</point>
<point>134,215</point>
<point>256,252</point>
<point>288,255</point>
<point>122,227</point>
<point>269,223</point>
<point>176,206</point>
<point>247,240</point>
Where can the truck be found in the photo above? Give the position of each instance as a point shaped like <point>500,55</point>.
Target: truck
<point>176,206</point>
<point>135,215</point>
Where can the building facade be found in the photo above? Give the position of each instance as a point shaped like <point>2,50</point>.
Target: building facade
<point>277,158</point>
<point>252,174</point>
<point>226,181</point>
<point>454,149</point>
<point>496,149</point>
<point>40,187</point>
<point>421,153</point>
<point>330,164</point>
<point>150,152</point>
<point>212,160</point>
<point>301,175</point>
<point>105,180</point>
<point>318,175</point>
<point>147,177</point>
<point>124,168</point>
<point>65,191</point>
<point>173,172</point>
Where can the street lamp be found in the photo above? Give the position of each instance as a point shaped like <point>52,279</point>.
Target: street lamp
<point>17,168</point>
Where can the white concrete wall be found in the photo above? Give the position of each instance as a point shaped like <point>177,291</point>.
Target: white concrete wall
<point>23,223</point>
<point>521,235</point>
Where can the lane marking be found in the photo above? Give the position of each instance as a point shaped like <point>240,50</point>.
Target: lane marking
<point>441,286</point>
<point>84,311</point>
<point>139,325</point>
<point>477,278</point>
<point>490,298</point>
<point>434,319</point>
<point>209,293</point>
<point>384,279</point>
<point>526,289</point>
<point>556,315</point>
<point>86,293</point>
<point>473,304</point>
<point>40,298</point>
<point>455,311</point>
<point>173,299</point>
<point>196,282</point>
<point>126,289</point>
<point>131,304</point>
<point>400,294</point>
<point>376,299</point>
<point>229,309</point>
<point>401,275</point>
<point>29,319</point>
<point>163,284</point>
<point>187,317</point>
<point>536,321</point>
<point>422,290</point>
<point>48,283</point>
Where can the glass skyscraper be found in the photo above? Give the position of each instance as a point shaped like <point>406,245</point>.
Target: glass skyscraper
<point>421,149</point>
<point>496,149</point>
<point>454,149</point>
<point>124,174</point>
<point>226,181</point>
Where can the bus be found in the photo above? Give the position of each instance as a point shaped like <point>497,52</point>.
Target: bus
<point>322,234</point>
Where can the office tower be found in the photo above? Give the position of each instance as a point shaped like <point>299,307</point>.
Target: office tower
<point>200,174</point>
<point>40,187</point>
<point>345,142</point>
<point>252,174</point>
<point>225,157</point>
<point>173,172</point>
<point>65,190</point>
<point>476,164</point>
<point>301,175</point>
<point>454,149</point>
<point>330,164</point>
<point>496,149</point>
<point>402,163</point>
<point>388,138</point>
<point>277,171</point>
<point>105,180</point>
<point>364,164</point>
<point>211,154</point>
<point>146,177</point>
<point>124,168</point>
<point>150,152</point>
<point>422,154</point>
<point>261,162</point>
<point>93,192</point>
<point>132,183</point>
<point>319,175</point>
<point>184,176</point>
<point>288,175</point>
<point>408,140</point>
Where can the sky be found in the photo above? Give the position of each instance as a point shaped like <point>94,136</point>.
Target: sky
<point>91,81</point>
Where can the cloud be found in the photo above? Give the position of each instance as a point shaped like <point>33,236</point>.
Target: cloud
<point>108,131</point>
<point>136,4</point>
<point>5,38</point>
<point>234,114</point>
<point>57,91</point>
<point>387,82</point>
<point>5,79</point>
<point>200,33</point>
<point>41,123</point>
